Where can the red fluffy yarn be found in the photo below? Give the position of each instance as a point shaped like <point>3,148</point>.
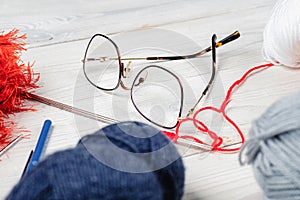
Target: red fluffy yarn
<point>16,78</point>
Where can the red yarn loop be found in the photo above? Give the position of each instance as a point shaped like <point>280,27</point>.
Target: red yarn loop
<point>217,141</point>
<point>16,78</point>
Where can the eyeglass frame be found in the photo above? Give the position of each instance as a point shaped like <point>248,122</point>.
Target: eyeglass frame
<point>121,74</point>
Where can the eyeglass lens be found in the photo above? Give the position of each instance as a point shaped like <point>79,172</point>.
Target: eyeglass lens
<point>101,64</point>
<point>157,95</point>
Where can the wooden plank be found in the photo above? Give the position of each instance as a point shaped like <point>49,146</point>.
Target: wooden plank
<point>46,23</point>
<point>59,35</point>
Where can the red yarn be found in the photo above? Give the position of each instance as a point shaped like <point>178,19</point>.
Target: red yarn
<point>217,140</point>
<point>16,78</point>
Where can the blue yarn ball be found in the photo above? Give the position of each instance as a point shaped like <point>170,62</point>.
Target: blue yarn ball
<point>128,160</point>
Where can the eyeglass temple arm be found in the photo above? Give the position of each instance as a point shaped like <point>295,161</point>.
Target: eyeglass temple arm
<point>226,40</point>
<point>220,43</point>
<point>214,66</point>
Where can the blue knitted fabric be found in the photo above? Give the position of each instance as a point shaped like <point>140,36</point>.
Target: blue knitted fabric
<point>128,160</point>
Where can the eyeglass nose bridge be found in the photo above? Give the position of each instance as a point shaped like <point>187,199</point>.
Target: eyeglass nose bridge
<point>126,70</point>
<point>125,74</point>
<point>140,81</point>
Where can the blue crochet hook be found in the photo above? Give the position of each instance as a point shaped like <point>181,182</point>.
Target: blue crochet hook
<point>40,146</point>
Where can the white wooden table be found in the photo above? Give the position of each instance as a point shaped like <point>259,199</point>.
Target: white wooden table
<point>58,32</point>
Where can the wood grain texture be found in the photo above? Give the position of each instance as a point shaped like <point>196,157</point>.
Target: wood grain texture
<point>58,32</point>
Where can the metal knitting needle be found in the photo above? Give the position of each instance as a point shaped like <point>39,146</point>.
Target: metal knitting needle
<point>11,144</point>
<point>27,163</point>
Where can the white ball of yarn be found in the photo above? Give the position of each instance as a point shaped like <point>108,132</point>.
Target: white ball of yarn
<point>281,43</point>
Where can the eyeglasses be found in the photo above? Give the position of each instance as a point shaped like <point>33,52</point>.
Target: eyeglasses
<point>104,68</point>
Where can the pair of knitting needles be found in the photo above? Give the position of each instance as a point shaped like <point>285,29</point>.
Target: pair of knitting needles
<point>106,120</point>
<point>100,118</point>
<point>35,154</point>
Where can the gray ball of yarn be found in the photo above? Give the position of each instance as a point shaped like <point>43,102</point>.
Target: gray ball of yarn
<point>273,149</point>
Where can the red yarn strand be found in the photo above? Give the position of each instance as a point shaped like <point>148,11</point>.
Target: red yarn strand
<point>217,140</point>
